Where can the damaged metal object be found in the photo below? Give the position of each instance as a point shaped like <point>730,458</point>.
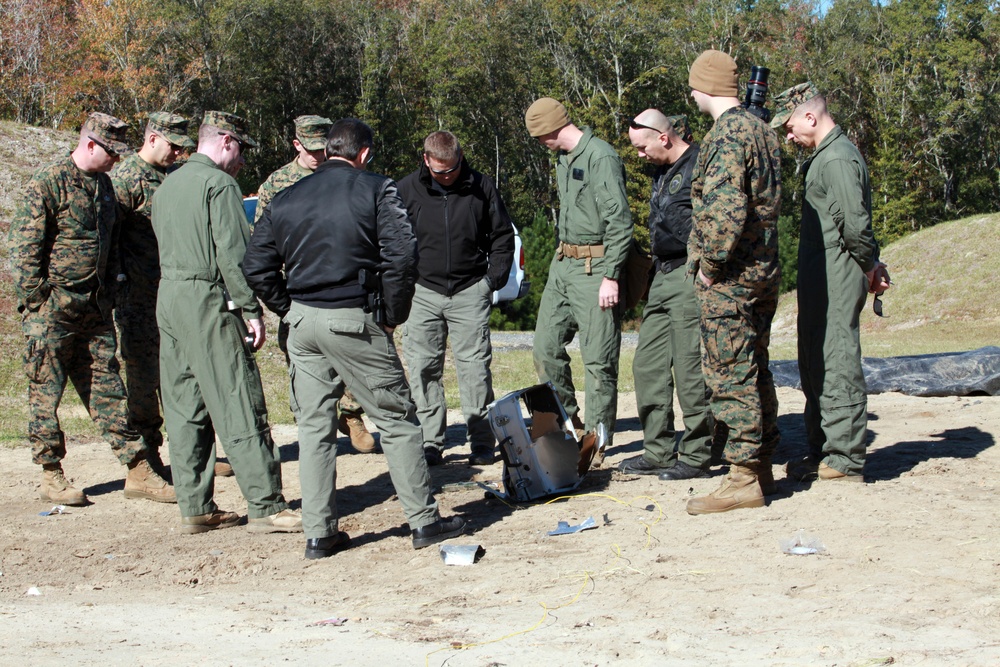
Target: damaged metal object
<point>542,454</point>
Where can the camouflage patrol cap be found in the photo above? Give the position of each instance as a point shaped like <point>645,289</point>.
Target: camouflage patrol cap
<point>108,130</point>
<point>171,127</point>
<point>311,131</point>
<point>788,100</point>
<point>230,124</point>
<point>680,125</point>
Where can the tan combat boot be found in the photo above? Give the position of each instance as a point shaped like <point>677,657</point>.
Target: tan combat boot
<point>740,488</point>
<point>57,489</point>
<point>144,482</point>
<point>361,439</point>
<point>828,474</point>
<point>223,469</point>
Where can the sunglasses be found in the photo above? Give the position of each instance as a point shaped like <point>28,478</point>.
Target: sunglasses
<point>445,172</point>
<point>639,126</point>
<point>243,145</point>
<point>107,149</point>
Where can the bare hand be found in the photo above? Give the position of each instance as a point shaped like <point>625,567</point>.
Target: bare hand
<point>708,282</point>
<point>256,329</point>
<point>389,330</point>
<point>607,296</point>
<point>878,278</point>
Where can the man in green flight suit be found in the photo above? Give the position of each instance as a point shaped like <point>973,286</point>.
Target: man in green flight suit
<point>64,262</point>
<point>582,291</point>
<point>733,258</point>
<point>135,179</point>
<point>310,148</point>
<point>209,378</point>
<point>838,266</point>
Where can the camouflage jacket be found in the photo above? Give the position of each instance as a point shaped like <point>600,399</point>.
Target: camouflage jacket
<point>736,192</point>
<point>284,177</point>
<point>135,181</point>
<point>63,239</point>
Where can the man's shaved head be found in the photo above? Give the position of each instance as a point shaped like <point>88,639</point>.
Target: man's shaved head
<point>653,119</point>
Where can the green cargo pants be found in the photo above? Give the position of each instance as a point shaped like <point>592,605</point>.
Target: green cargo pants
<point>836,411</point>
<point>331,350</point>
<point>464,319</point>
<point>670,339</point>
<point>210,385</point>
<point>570,305</point>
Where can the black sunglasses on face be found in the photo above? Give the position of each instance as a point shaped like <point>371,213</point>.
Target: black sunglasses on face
<point>242,144</point>
<point>107,149</point>
<point>445,172</point>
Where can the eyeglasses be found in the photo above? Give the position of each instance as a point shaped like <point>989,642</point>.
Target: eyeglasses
<point>639,126</point>
<point>107,149</point>
<point>371,155</point>
<point>243,145</point>
<point>445,172</point>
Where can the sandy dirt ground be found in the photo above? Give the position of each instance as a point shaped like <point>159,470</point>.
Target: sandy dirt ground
<point>909,575</point>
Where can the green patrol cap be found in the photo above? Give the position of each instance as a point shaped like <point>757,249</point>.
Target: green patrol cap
<point>109,131</point>
<point>230,124</point>
<point>171,127</point>
<point>787,101</point>
<point>680,125</point>
<point>311,131</point>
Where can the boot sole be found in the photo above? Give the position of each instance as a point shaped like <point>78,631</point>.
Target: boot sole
<point>746,504</point>
<point>267,528</point>
<point>143,495</point>
<point>78,502</point>
<point>195,529</point>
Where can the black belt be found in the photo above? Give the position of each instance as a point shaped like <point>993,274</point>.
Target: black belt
<point>668,265</point>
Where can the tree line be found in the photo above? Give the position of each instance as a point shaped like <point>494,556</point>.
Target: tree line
<point>913,82</point>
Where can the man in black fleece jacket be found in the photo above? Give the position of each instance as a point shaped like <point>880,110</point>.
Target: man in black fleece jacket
<point>303,262</point>
<point>465,243</point>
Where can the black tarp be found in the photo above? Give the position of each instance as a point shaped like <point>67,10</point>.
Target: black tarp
<point>947,374</point>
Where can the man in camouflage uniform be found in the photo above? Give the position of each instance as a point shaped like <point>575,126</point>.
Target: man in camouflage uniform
<point>669,351</point>
<point>135,179</point>
<point>310,148</point>
<point>209,378</point>
<point>838,266</point>
<point>64,261</point>
<point>582,295</point>
<point>733,256</point>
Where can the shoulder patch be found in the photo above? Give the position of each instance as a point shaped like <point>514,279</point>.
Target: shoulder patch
<point>675,184</point>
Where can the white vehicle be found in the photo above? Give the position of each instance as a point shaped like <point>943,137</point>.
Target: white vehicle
<point>515,288</point>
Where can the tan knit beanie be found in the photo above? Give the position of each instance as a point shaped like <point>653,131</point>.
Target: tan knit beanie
<point>545,115</point>
<point>714,73</point>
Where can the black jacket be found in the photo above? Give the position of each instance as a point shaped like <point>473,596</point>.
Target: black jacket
<point>670,207</point>
<point>322,231</point>
<point>462,234</point>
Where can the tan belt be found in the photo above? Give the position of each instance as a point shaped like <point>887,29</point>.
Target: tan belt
<point>585,252</point>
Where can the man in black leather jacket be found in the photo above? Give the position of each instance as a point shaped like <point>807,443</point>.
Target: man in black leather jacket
<point>465,242</point>
<point>669,337</point>
<point>303,262</point>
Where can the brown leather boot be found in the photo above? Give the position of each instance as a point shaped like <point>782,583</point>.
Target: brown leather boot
<point>740,488</point>
<point>57,489</point>
<point>144,482</point>
<point>765,477</point>
<point>223,469</point>
<point>361,439</point>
